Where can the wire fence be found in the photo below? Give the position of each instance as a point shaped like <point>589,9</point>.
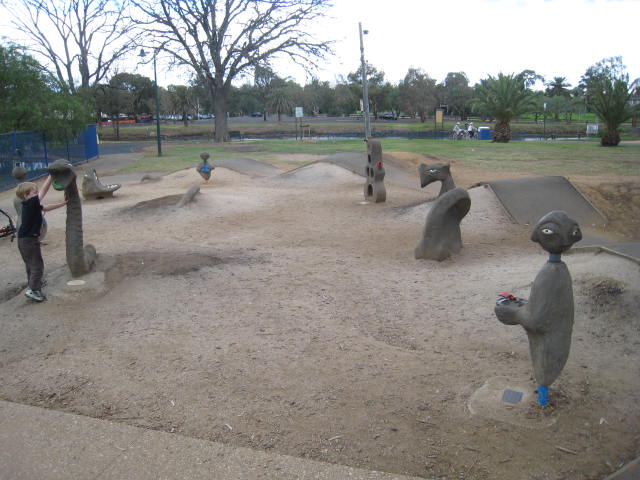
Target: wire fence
<point>32,151</point>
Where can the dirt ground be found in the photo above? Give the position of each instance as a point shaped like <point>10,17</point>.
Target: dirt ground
<point>286,314</point>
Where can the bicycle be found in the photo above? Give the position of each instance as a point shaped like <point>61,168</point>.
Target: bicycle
<point>459,135</point>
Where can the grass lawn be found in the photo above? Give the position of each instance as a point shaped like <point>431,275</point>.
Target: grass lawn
<point>537,158</point>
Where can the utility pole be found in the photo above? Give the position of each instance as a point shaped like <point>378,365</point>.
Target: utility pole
<point>142,55</point>
<point>365,86</point>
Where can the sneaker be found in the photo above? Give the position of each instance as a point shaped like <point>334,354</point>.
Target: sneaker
<point>35,295</point>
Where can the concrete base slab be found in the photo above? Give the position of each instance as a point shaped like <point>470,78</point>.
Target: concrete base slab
<point>489,401</point>
<point>62,285</point>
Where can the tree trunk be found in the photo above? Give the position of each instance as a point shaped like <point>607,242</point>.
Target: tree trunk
<point>116,127</point>
<point>502,132</point>
<point>221,133</point>
<point>610,138</point>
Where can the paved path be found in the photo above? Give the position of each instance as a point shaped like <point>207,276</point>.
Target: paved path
<point>42,444</point>
<point>528,199</point>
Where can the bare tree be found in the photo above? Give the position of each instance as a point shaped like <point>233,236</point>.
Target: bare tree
<point>82,39</point>
<point>221,40</point>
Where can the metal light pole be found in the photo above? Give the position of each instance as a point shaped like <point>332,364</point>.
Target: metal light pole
<point>544,122</point>
<point>365,86</point>
<point>155,88</point>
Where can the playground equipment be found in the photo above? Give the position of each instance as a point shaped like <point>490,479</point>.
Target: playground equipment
<point>547,316</point>
<point>374,190</point>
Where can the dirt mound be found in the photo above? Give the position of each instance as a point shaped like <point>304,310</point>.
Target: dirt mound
<point>620,204</point>
<point>320,174</point>
<point>278,316</point>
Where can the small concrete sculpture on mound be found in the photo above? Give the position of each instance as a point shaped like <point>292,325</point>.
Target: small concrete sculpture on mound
<point>436,172</point>
<point>189,196</point>
<point>204,168</point>
<point>547,316</point>
<point>442,235</point>
<point>80,257</point>
<point>150,178</point>
<point>374,190</point>
<point>92,187</point>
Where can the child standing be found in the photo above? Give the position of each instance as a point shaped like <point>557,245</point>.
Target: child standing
<point>29,233</point>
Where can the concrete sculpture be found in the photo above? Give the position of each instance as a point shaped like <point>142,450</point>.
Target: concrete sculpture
<point>92,187</point>
<point>150,178</point>
<point>547,316</point>
<point>204,168</point>
<point>442,236</point>
<point>19,173</point>
<point>189,196</point>
<point>436,172</point>
<point>80,258</point>
<point>374,190</point>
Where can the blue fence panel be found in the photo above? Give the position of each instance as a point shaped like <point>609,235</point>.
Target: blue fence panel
<point>30,150</point>
<point>22,148</point>
<point>90,137</point>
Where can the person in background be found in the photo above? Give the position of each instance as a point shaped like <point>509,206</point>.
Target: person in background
<point>471,129</point>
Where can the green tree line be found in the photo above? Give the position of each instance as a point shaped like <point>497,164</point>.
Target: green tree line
<point>222,42</point>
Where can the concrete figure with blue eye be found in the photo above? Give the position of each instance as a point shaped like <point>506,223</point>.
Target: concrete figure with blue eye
<point>436,172</point>
<point>547,316</point>
<point>204,168</point>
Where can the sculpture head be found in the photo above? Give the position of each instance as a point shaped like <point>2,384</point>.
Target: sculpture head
<point>434,173</point>
<point>556,232</point>
<point>19,173</point>
<point>62,174</point>
<point>204,156</point>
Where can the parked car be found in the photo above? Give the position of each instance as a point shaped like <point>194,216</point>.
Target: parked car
<point>388,116</point>
<point>256,114</point>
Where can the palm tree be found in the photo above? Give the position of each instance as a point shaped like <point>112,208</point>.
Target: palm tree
<point>558,87</point>
<point>279,101</point>
<point>609,99</point>
<point>503,97</point>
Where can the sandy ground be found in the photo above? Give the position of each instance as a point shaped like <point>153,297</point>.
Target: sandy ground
<point>286,314</point>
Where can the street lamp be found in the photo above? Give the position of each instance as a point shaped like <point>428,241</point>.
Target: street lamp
<point>544,122</point>
<point>365,86</point>
<point>155,88</point>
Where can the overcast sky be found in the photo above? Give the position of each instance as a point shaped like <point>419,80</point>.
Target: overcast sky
<point>484,37</point>
<point>479,37</point>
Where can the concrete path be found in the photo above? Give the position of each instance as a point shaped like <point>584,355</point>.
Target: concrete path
<point>37,443</point>
<point>356,162</point>
<point>527,199</point>
<point>247,166</point>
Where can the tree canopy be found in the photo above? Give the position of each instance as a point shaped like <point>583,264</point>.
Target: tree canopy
<point>90,37</point>
<point>221,40</point>
<point>503,97</point>
<point>31,100</point>
<point>607,92</point>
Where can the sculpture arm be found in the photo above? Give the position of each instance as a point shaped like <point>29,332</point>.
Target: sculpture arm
<point>512,313</point>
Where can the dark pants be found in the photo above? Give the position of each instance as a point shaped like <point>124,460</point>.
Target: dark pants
<point>32,256</point>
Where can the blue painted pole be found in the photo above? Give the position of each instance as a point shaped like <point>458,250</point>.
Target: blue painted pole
<point>543,395</point>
